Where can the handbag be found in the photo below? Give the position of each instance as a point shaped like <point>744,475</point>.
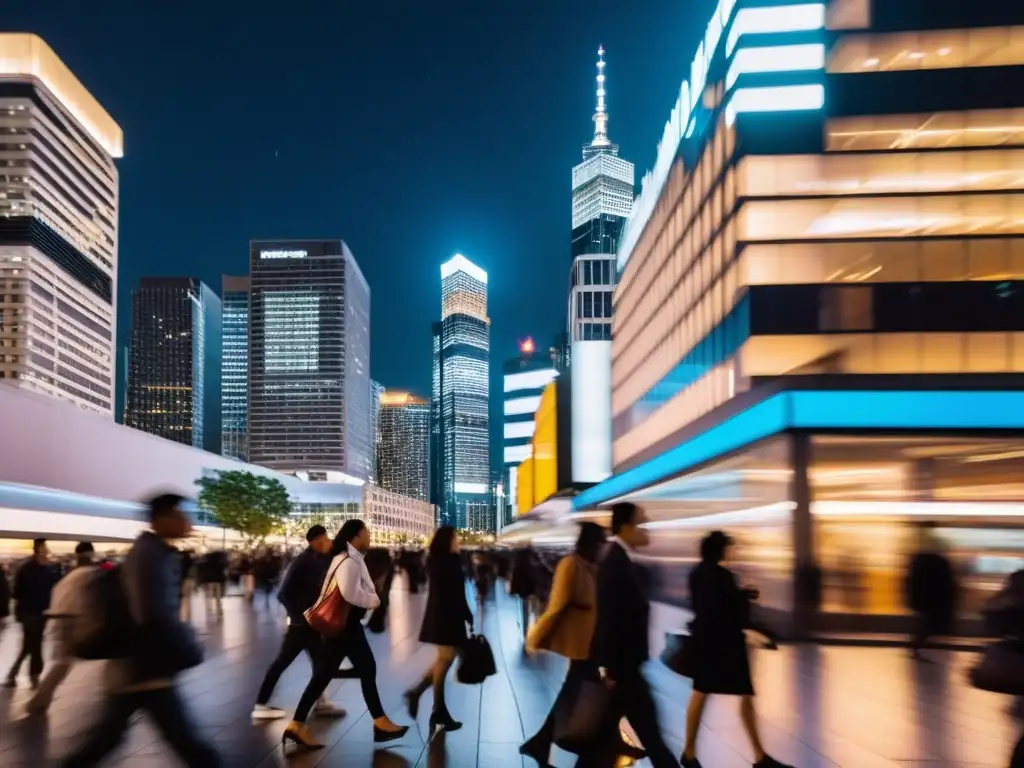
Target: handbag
<point>581,712</point>
<point>1001,669</point>
<point>476,663</point>
<point>328,616</point>
<point>678,655</point>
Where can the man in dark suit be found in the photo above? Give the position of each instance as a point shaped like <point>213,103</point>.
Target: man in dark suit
<point>620,645</point>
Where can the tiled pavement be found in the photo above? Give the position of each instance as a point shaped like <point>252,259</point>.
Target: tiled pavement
<point>819,706</point>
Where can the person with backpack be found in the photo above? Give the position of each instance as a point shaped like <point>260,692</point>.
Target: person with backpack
<point>64,607</point>
<point>146,643</point>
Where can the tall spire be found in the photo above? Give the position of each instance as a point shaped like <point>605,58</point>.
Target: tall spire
<point>601,115</point>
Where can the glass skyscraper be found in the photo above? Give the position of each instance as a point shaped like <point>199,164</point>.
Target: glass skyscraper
<point>460,480</point>
<point>234,376</point>
<point>376,390</point>
<point>403,450</point>
<point>309,360</point>
<point>174,320</point>
<point>602,196</point>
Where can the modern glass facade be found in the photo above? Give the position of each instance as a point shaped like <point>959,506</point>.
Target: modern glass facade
<point>602,196</point>
<point>309,359</point>
<point>461,483</point>
<point>403,450</point>
<point>525,378</point>
<point>235,367</point>
<point>58,229</point>
<point>376,390</point>
<point>168,382</point>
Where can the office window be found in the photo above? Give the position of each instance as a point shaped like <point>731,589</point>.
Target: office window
<point>588,304</point>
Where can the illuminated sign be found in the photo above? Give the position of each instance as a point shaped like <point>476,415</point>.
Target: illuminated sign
<point>545,446</point>
<point>283,254</point>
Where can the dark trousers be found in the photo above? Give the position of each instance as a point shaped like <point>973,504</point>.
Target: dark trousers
<point>632,700</point>
<point>167,710</point>
<point>579,670</point>
<point>31,647</point>
<point>351,645</point>
<point>297,638</point>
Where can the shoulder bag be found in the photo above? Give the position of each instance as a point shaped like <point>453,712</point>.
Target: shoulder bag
<point>328,617</point>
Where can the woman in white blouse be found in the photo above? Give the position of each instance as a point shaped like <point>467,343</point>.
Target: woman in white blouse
<point>349,575</point>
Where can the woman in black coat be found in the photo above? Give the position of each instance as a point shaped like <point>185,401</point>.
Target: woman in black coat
<point>444,624</point>
<point>721,611</point>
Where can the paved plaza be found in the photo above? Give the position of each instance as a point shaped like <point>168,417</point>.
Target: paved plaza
<point>820,706</point>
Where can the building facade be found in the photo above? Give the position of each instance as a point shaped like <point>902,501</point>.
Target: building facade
<point>602,197</point>
<point>309,360</point>
<point>816,337</point>
<point>170,383</point>
<point>403,450</point>
<point>460,482</point>
<point>234,376</point>
<point>524,378</point>
<point>376,390</point>
<point>397,519</point>
<point>58,229</point>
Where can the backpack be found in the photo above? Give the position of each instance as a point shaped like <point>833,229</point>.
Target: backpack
<point>104,628</point>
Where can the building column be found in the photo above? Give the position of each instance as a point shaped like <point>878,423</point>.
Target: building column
<point>806,573</point>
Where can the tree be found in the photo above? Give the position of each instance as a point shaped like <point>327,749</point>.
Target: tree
<point>253,505</point>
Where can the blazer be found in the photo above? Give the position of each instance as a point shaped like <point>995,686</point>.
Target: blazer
<point>567,625</point>
<point>620,642</point>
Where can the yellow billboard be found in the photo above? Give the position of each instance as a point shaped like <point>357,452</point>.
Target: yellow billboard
<point>545,446</point>
<point>524,487</point>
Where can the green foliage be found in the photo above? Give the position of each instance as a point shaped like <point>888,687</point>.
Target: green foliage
<point>253,505</point>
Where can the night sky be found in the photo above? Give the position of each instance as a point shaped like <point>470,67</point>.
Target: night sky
<point>411,130</point>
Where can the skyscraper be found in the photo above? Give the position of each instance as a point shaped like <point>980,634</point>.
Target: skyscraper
<point>460,481</point>
<point>170,385</point>
<point>309,360</point>
<point>403,451</point>
<point>58,229</point>
<point>525,377</point>
<point>234,383</point>
<point>602,196</point>
<point>376,390</point>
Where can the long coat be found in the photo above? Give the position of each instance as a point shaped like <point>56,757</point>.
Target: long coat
<point>444,621</point>
<point>567,625</point>
<point>721,612</point>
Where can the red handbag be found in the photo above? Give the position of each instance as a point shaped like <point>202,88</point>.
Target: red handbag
<point>329,615</point>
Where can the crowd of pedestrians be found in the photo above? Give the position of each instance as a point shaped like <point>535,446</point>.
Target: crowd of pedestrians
<point>596,610</point>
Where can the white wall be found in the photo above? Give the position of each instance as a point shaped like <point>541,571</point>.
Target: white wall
<point>591,372</point>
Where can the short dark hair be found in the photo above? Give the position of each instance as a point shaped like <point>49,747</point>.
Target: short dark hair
<point>713,546</point>
<point>84,547</point>
<point>349,531</point>
<point>623,514</point>
<point>38,544</point>
<point>163,505</point>
<point>591,537</point>
<point>315,533</point>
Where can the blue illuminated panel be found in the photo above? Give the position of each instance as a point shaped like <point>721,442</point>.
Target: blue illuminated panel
<point>872,410</point>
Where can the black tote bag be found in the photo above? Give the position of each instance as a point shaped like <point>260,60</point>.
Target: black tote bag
<point>476,663</point>
<point>581,712</point>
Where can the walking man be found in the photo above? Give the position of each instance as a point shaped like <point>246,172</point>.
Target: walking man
<point>67,597</point>
<point>33,584</point>
<point>299,590</point>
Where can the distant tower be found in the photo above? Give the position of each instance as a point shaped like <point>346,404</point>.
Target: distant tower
<point>602,197</point>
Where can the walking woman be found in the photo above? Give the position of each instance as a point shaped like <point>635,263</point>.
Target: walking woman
<point>348,574</point>
<point>720,662</point>
<point>567,625</point>
<point>444,624</point>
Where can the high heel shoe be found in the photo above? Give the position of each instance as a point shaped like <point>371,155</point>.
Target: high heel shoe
<point>380,736</point>
<point>297,733</point>
<point>443,721</point>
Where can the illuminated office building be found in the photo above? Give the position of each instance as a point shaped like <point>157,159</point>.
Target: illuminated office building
<point>818,332</point>
<point>58,229</point>
<point>460,472</point>
<point>172,365</point>
<point>234,371</point>
<point>525,377</point>
<point>403,449</point>
<point>602,196</point>
<point>309,360</point>
<point>376,390</point>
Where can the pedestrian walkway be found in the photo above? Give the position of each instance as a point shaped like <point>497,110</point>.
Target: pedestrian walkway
<point>821,706</point>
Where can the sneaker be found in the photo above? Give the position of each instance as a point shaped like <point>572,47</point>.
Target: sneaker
<point>770,762</point>
<point>263,712</point>
<point>324,708</point>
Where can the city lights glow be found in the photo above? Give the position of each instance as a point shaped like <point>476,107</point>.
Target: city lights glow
<point>783,98</point>
<point>527,347</point>
<point>459,263</point>
<point>522,405</point>
<point>280,254</point>
<point>471,487</point>
<point>779,58</point>
<point>529,379</point>
<point>774,20</point>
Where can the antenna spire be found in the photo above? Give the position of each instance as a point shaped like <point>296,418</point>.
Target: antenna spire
<point>601,115</point>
